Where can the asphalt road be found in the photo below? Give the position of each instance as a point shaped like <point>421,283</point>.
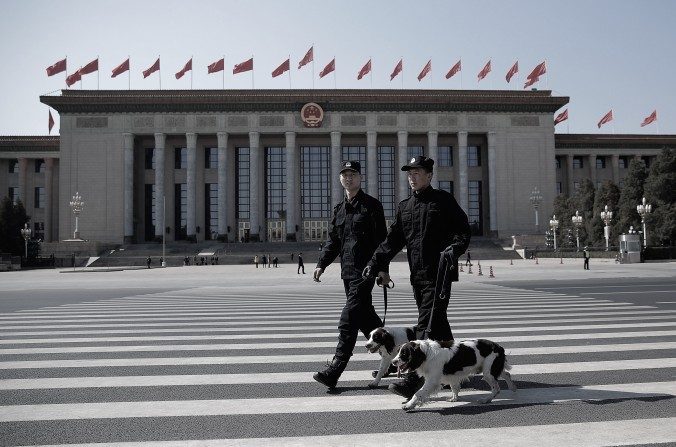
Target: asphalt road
<point>116,360</point>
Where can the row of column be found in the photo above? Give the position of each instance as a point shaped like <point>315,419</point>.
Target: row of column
<point>591,160</point>
<point>292,179</point>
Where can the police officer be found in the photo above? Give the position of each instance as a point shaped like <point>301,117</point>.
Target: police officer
<point>429,222</point>
<point>357,228</point>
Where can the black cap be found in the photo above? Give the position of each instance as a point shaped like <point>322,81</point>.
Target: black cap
<point>350,165</point>
<point>419,162</point>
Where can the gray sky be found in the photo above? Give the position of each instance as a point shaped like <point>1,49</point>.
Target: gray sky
<point>604,54</point>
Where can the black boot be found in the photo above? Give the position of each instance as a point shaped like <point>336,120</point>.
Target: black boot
<point>391,370</point>
<point>330,375</point>
<point>407,387</point>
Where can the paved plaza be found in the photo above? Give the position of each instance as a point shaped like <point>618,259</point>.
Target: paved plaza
<point>224,355</point>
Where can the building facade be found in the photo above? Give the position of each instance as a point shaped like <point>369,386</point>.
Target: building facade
<point>252,165</point>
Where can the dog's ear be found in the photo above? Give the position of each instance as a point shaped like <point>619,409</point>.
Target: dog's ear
<point>388,342</point>
<point>418,357</point>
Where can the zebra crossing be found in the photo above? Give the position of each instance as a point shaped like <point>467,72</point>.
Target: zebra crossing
<point>217,366</point>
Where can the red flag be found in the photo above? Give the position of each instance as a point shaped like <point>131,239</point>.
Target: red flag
<point>561,117</point>
<point>56,68</point>
<point>397,69</point>
<point>426,69</point>
<point>512,71</point>
<point>247,65</point>
<point>649,119</point>
<point>484,71</point>
<point>454,70</point>
<point>366,69</point>
<point>185,69</point>
<point>606,118</point>
<point>284,66</point>
<point>530,82</point>
<point>217,66</point>
<point>309,57</point>
<point>331,66</point>
<point>90,67</point>
<point>124,66</point>
<point>538,71</point>
<point>51,122</point>
<point>153,68</point>
<point>73,78</point>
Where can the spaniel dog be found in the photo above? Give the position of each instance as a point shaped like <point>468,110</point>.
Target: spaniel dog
<point>387,341</point>
<point>449,363</point>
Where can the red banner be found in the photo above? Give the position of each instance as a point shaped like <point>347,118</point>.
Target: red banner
<point>397,69</point>
<point>73,78</point>
<point>606,118</point>
<point>124,66</point>
<point>56,68</point>
<point>454,70</point>
<point>649,119</point>
<point>217,66</point>
<point>330,67</point>
<point>561,117</point>
<point>366,69</point>
<point>283,67</point>
<point>244,66</point>
<point>90,67</point>
<point>426,69</point>
<point>512,71</point>
<point>309,57</point>
<point>50,122</point>
<point>484,71</point>
<point>153,68</point>
<point>186,68</point>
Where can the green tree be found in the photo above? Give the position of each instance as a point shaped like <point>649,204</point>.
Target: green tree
<point>584,202</point>
<point>608,194</point>
<point>12,219</point>
<point>564,209</point>
<point>630,196</point>
<point>660,192</point>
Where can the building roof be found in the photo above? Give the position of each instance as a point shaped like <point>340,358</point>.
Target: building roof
<point>390,100</point>
<point>40,143</point>
<point>590,140</point>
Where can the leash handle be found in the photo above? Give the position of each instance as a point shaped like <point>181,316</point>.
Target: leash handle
<point>445,264</point>
<point>380,284</point>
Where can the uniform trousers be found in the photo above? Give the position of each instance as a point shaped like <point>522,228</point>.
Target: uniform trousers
<point>424,298</point>
<point>358,315</point>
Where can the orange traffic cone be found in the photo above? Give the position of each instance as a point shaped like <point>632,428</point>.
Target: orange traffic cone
<point>490,275</point>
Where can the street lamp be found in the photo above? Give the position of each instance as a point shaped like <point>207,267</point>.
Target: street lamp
<point>26,234</point>
<point>606,217</point>
<point>554,224</point>
<point>76,204</point>
<point>577,223</point>
<point>643,210</point>
<point>535,200</point>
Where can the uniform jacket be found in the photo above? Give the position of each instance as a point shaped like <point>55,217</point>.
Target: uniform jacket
<point>426,223</point>
<point>357,228</point>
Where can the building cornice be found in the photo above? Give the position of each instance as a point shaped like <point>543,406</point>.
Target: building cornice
<point>618,141</point>
<point>32,143</point>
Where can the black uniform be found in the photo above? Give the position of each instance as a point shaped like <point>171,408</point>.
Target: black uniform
<point>357,228</point>
<point>426,223</point>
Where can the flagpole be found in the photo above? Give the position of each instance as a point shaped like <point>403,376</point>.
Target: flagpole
<point>66,70</point>
<point>460,73</point>
<point>159,74</point>
<point>223,72</point>
<point>371,72</point>
<point>334,72</point>
<point>547,74</point>
<point>430,74</point>
<point>313,65</point>
<point>252,74</point>
<point>129,72</point>
<point>97,73</point>
<point>402,72</point>
<point>289,71</point>
<point>192,71</point>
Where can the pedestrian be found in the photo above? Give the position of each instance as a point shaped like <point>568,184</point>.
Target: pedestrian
<point>275,261</point>
<point>291,257</point>
<point>148,261</point>
<point>300,263</point>
<point>357,228</point>
<point>468,255</point>
<point>264,261</point>
<point>216,260</point>
<point>586,255</point>
<point>256,260</point>
<point>195,260</point>
<point>269,261</point>
<point>428,223</point>
<point>161,261</point>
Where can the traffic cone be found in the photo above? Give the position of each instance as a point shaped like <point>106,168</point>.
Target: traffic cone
<point>510,261</point>
<point>480,274</point>
<point>490,275</point>
<point>461,268</point>
<point>470,269</point>
<point>561,260</point>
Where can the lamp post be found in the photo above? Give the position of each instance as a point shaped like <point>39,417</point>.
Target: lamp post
<point>535,200</point>
<point>643,210</point>
<point>606,217</point>
<point>76,204</point>
<point>26,234</point>
<point>577,223</point>
<point>554,225</point>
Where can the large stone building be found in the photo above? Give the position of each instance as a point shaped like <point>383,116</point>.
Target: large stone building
<point>249,165</point>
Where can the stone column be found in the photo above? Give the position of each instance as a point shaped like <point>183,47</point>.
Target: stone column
<point>254,179</point>
<point>191,145</point>
<point>462,171</point>
<point>372,163</point>
<point>23,183</point>
<point>569,174</point>
<point>292,186</point>
<point>615,161</point>
<point>492,183</point>
<point>128,146</point>
<point>336,156</point>
<point>49,196</point>
<point>402,157</point>
<point>159,183</point>
<point>433,153</point>
<point>223,185</point>
<point>592,169</point>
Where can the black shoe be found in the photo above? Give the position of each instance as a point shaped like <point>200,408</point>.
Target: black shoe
<point>407,387</point>
<point>331,374</point>
<point>391,370</point>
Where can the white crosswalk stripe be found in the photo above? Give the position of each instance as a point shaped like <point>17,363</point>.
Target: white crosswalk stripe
<point>208,357</point>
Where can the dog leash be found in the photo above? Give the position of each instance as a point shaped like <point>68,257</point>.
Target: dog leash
<point>441,289</point>
<point>384,287</point>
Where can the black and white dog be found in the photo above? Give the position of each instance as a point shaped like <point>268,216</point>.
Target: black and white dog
<point>449,363</point>
<point>387,341</point>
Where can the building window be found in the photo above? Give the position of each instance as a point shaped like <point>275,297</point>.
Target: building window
<point>150,158</point>
<point>414,151</point>
<point>39,197</point>
<point>446,185</point>
<point>150,212</point>
<point>578,163</point>
<point>557,161</point>
<point>386,180</point>
<point>181,210</point>
<point>315,182</point>
<point>576,186</point>
<point>211,158</point>
<point>40,165</point>
<point>180,158</point>
<point>243,170</point>
<point>474,211</point>
<point>13,166</point>
<point>39,230</point>
<point>600,162</point>
<point>211,211</point>
<point>356,153</point>
<point>276,183</point>
<point>445,156</point>
<point>13,194</point>
<point>559,188</point>
<point>622,163</point>
<point>473,156</point>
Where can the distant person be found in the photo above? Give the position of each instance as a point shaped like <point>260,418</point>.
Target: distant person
<point>469,258</point>
<point>264,261</point>
<point>300,263</point>
<point>148,261</point>
<point>291,257</point>
<point>275,261</point>
<point>269,261</point>
<point>586,255</point>
<point>256,260</point>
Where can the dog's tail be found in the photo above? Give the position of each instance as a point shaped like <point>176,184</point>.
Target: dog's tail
<point>500,363</point>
